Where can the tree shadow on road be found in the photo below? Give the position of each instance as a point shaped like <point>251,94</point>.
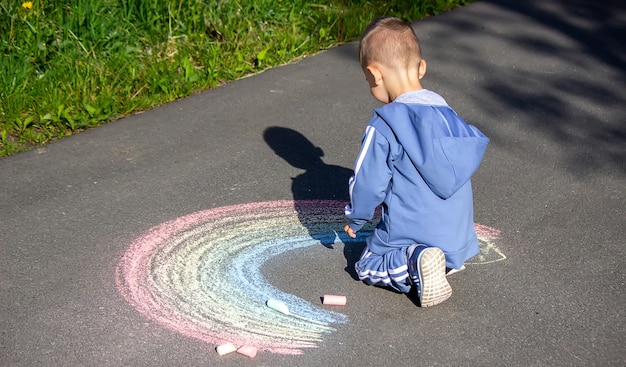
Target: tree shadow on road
<point>559,100</point>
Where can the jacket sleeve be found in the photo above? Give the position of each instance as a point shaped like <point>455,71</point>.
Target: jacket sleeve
<point>372,175</point>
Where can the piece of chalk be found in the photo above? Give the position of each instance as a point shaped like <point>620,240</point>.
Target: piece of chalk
<point>247,350</point>
<point>225,348</point>
<point>334,300</point>
<point>277,305</point>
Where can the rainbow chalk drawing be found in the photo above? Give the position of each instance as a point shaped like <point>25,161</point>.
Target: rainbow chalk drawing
<point>200,274</point>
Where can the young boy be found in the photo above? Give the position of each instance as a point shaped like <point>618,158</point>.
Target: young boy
<point>416,159</point>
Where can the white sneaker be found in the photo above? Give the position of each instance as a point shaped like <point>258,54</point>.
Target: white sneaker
<point>450,271</point>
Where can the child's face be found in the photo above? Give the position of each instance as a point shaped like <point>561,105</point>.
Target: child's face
<point>377,87</point>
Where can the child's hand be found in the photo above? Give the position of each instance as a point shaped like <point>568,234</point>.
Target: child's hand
<point>349,231</point>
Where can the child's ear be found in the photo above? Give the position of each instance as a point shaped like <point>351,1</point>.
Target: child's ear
<point>421,71</point>
<point>377,76</point>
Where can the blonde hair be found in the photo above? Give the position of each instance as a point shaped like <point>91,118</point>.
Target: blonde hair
<point>390,42</point>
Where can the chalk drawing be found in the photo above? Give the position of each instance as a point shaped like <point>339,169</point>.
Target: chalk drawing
<point>489,252</point>
<point>200,274</point>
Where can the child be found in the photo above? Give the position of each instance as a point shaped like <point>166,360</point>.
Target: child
<point>416,159</point>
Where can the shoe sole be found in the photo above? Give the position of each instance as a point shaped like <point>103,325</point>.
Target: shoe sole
<point>434,285</point>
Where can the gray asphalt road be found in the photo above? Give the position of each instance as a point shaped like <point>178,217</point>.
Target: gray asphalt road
<point>544,80</point>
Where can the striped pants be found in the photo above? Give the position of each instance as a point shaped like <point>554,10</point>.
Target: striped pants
<point>387,270</point>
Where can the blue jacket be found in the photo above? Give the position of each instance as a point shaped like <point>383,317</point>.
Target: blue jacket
<point>417,160</point>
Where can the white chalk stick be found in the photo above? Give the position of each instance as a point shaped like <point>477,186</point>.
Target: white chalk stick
<point>247,350</point>
<point>225,348</point>
<point>277,305</point>
<point>333,300</point>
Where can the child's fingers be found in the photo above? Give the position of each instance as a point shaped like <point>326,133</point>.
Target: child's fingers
<point>349,231</point>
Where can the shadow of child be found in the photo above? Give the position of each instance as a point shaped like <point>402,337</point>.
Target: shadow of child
<point>321,182</point>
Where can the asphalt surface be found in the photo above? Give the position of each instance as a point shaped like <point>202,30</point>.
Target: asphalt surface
<point>544,80</point>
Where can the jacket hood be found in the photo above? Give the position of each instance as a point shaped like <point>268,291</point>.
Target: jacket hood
<point>448,151</point>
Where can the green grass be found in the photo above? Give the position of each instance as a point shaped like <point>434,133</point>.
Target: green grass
<point>70,65</point>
